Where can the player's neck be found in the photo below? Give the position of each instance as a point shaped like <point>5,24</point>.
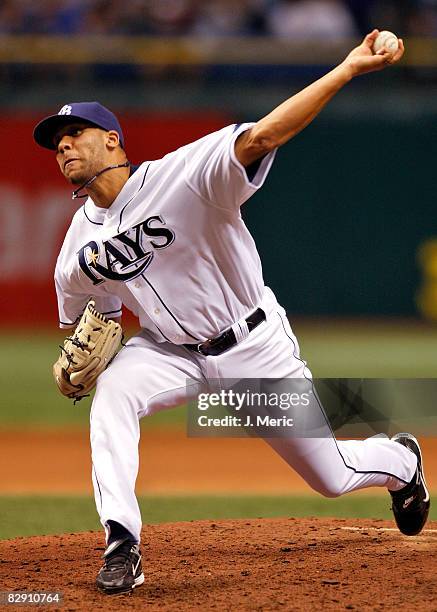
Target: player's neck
<point>106,187</point>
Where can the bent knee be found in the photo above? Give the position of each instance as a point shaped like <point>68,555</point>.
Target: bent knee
<point>328,489</point>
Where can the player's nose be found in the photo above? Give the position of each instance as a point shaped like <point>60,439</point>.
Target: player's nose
<point>65,143</point>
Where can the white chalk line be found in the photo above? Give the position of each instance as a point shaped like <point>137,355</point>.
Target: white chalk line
<point>382,529</point>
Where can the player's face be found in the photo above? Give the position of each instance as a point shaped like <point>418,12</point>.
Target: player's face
<point>80,151</point>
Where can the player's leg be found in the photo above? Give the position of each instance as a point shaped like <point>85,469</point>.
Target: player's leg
<point>143,378</point>
<point>329,466</point>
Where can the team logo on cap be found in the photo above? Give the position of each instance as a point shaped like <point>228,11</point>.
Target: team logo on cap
<point>65,110</point>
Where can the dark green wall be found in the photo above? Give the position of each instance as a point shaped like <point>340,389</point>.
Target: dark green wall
<point>340,218</point>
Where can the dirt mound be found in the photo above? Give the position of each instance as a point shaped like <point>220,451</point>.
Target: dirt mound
<point>264,564</point>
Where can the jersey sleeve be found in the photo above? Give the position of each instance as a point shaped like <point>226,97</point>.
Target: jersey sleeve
<point>213,171</point>
<point>71,305</point>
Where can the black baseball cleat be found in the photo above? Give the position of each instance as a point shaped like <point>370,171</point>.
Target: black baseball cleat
<point>122,571</point>
<point>411,504</point>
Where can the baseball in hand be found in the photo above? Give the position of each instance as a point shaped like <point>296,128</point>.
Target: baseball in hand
<point>386,40</point>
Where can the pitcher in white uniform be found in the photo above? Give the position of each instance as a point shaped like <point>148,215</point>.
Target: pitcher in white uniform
<point>166,240</point>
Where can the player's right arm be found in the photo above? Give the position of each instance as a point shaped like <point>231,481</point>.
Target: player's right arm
<point>293,115</point>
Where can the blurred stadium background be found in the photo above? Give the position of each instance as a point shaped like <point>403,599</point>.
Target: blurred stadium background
<point>345,224</point>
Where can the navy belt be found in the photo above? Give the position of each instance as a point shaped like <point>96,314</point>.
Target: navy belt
<point>226,340</point>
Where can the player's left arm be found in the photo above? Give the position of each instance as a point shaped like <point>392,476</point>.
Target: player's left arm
<point>293,115</point>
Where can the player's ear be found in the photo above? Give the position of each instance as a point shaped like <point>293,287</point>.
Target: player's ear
<point>112,139</point>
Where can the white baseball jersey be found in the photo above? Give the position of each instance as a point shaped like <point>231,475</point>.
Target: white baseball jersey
<point>172,247</point>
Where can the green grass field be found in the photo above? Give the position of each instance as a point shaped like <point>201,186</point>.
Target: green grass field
<point>398,349</point>
<point>30,515</point>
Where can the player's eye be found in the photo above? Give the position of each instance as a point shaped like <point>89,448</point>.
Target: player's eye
<point>73,131</point>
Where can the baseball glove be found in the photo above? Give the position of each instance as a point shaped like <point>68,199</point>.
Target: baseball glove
<point>86,353</point>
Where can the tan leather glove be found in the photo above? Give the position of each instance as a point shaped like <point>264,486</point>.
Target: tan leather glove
<point>86,353</point>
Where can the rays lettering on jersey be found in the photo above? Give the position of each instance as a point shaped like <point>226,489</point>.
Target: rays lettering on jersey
<point>124,255</point>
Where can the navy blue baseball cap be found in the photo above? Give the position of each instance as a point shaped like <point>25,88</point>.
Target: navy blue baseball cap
<point>91,112</point>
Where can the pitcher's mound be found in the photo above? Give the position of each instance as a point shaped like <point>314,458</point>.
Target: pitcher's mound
<point>264,564</point>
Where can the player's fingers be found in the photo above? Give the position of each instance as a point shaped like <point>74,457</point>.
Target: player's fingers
<point>399,53</point>
<point>384,54</point>
<point>379,60</point>
<point>392,59</point>
<point>370,38</point>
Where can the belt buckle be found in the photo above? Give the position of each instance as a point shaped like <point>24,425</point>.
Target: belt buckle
<point>199,349</point>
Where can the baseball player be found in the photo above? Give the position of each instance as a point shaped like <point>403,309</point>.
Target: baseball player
<point>166,239</point>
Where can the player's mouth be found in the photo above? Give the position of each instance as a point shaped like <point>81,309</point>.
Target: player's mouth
<point>69,161</point>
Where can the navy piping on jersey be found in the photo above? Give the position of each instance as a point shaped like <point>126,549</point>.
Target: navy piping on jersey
<point>127,203</point>
<point>160,330</point>
<point>108,312</point>
<point>168,310</point>
<point>104,313</point>
<point>90,220</point>
<point>349,467</point>
<point>132,170</point>
<point>162,333</point>
<point>70,323</point>
<point>100,491</point>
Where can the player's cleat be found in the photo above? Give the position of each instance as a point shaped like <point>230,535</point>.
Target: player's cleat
<point>411,504</point>
<point>122,571</point>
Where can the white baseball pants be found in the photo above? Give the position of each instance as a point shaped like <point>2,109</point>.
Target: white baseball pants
<point>147,377</point>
